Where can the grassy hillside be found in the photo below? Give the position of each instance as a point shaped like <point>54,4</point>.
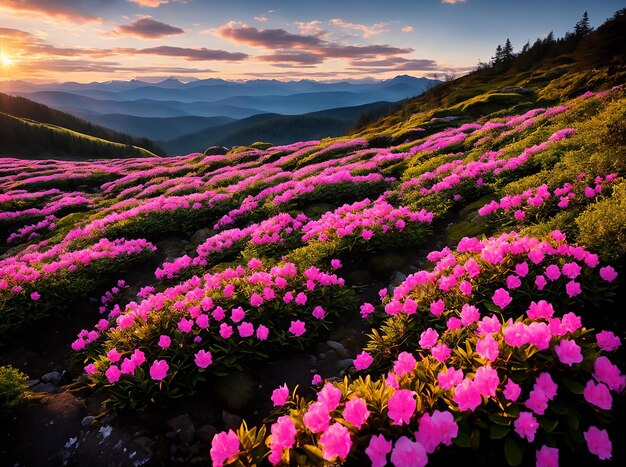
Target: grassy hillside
<point>23,108</point>
<point>446,287</point>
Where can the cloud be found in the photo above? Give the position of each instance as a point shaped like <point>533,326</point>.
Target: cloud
<point>407,29</point>
<point>312,28</point>
<point>261,19</point>
<point>78,11</point>
<point>453,2</point>
<point>8,33</point>
<point>146,28</point>
<point>190,54</point>
<point>42,67</point>
<point>361,51</point>
<point>366,31</point>
<point>302,58</point>
<point>397,63</point>
<point>266,38</point>
<point>149,3</point>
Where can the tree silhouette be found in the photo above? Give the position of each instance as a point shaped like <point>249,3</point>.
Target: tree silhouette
<point>582,28</point>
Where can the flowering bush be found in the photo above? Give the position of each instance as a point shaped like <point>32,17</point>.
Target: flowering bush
<point>162,344</point>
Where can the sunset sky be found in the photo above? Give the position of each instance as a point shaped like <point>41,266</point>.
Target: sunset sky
<point>101,40</point>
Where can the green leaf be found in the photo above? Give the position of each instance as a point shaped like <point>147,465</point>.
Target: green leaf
<point>548,424</point>
<point>498,432</point>
<point>475,439</point>
<point>513,452</point>
<point>499,419</point>
<point>462,440</point>
<point>573,386</point>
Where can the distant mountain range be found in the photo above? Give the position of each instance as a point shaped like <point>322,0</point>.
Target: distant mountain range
<point>177,113</point>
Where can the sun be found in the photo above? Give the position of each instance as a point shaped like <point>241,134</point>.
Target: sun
<point>5,60</point>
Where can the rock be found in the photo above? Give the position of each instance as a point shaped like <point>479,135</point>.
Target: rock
<point>200,236</point>
<point>383,265</point>
<point>32,382</point>
<point>339,348</point>
<point>88,420</point>
<point>311,359</point>
<point>206,433</point>
<point>183,427</point>
<point>45,387</point>
<point>359,277</point>
<point>345,363</point>
<point>237,389</point>
<point>397,279</point>
<point>215,151</point>
<point>321,356</point>
<point>53,377</point>
<point>317,209</point>
<point>231,421</point>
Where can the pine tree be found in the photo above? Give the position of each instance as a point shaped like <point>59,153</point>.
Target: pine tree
<point>497,58</point>
<point>507,51</point>
<point>582,28</point>
<point>526,47</point>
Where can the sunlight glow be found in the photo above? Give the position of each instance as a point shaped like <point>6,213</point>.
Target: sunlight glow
<point>5,60</point>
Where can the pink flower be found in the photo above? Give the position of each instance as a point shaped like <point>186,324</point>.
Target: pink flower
<point>262,332</point>
<point>513,282</point>
<point>598,442</point>
<point>521,269</point>
<point>256,300</point>
<point>440,352</point>
<point>317,418</point>
<point>553,272</point>
<point>288,297</point>
<point>428,338</point>
<point>539,310</point>
<point>608,274</point>
<point>486,380</point>
<point>569,352</point>
<point>573,288</point>
<point>226,331</point>
<point>438,428</point>
<point>539,335</point>
<point>487,348</point>
<point>224,447</point>
<point>356,412</point>
<point>469,314</point>
<point>609,374</point>
<point>237,314</point>
<point>366,310</point>
<point>436,308</point>
<point>367,234</point>
<point>537,401</point>
<point>203,358</point>
<point>335,442</point>
<point>317,379</point>
<point>318,312</point>
<point>453,323</point>
<point>450,378</point>
<point>540,282</point>
<point>466,288</point>
<point>335,263</point>
<point>467,395</point>
<point>407,453</point>
<point>608,341</point>
<point>113,374</point>
<point>297,328</point>
<point>363,361</point>
<point>202,321</point>
<point>245,329</point>
<point>329,396</point>
<point>404,364</point>
<point>377,450</point>
<point>516,334</point>
<point>526,426</point>
<point>255,263</point>
<point>301,298</point>
<point>571,270</point>
<point>35,296</point>
<point>185,325</point>
<point>401,406</point>
<point>547,457</point>
<point>283,437</point>
<point>280,395</point>
<point>114,356</point>
<point>512,390</point>
<point>598,395</point>
<point>519,214</point>
<point>158,370</point>
<point>501,298</point>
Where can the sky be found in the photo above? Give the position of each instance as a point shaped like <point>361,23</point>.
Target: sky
<point>102,40</point>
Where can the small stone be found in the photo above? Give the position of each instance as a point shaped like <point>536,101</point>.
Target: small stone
<point>339,348</point>
<point>45,387</point>
<point>206,433</point>
<point>321,356</point>
<point>32,382</point>
<point>345,363</point>
<point>231,421</point>
<point>183,426</point>
<point>53,377</point>
<point>88,420</point>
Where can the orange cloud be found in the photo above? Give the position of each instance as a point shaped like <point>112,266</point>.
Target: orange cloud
<point>146,28</point>
<point>67,10</point>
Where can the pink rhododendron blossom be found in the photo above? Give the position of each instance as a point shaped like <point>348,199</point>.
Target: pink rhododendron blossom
<point>526,426</point>
<point>466,288</point>
<point>283,436</point>
<point>598,395</point>
<point>605,372</point>
<point>35,296</point>
<point>363,361</point>
<point>540,282</point>
<point>404,364</point>
<point>335,442</point>
<point>438,428</point>
<point>224,447</point>
<point>573,288</point>
<point>547,457</point>
<point>401,406</point>
<point>608,341</point>
<point>440,352</point>
<point>569,352</point>
<point>437,307</point>
<point>469,314</point>
<point>377,450</point>
<point>539,310</point>
<point>501,298</point>
<point>467,395</point>
<point>280,395</point>
<point>297,328</point>
<point>356,412</point>
<point>428,338</point>
<point>316,418</point>
<point>450,378</point>
<point>262,332</point>
<point>329,396</point>
<point>226,331</point>
<point>487,348</point>
<point>407,453</point>
<point>203,358</point>
<point>114,356</point>
<point>513,282</point>
<point>598,442</point>
<point>512,390</point>
<point>317,379</point>
<point>335,263</point>
<point>486,380</point>
<point>113,374</point>
<point>608,273</point>
<point>301,298</point>
<point>245,329</point>
<point>366,310</point>
<point>553,272</point>
<point>158,370</point>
